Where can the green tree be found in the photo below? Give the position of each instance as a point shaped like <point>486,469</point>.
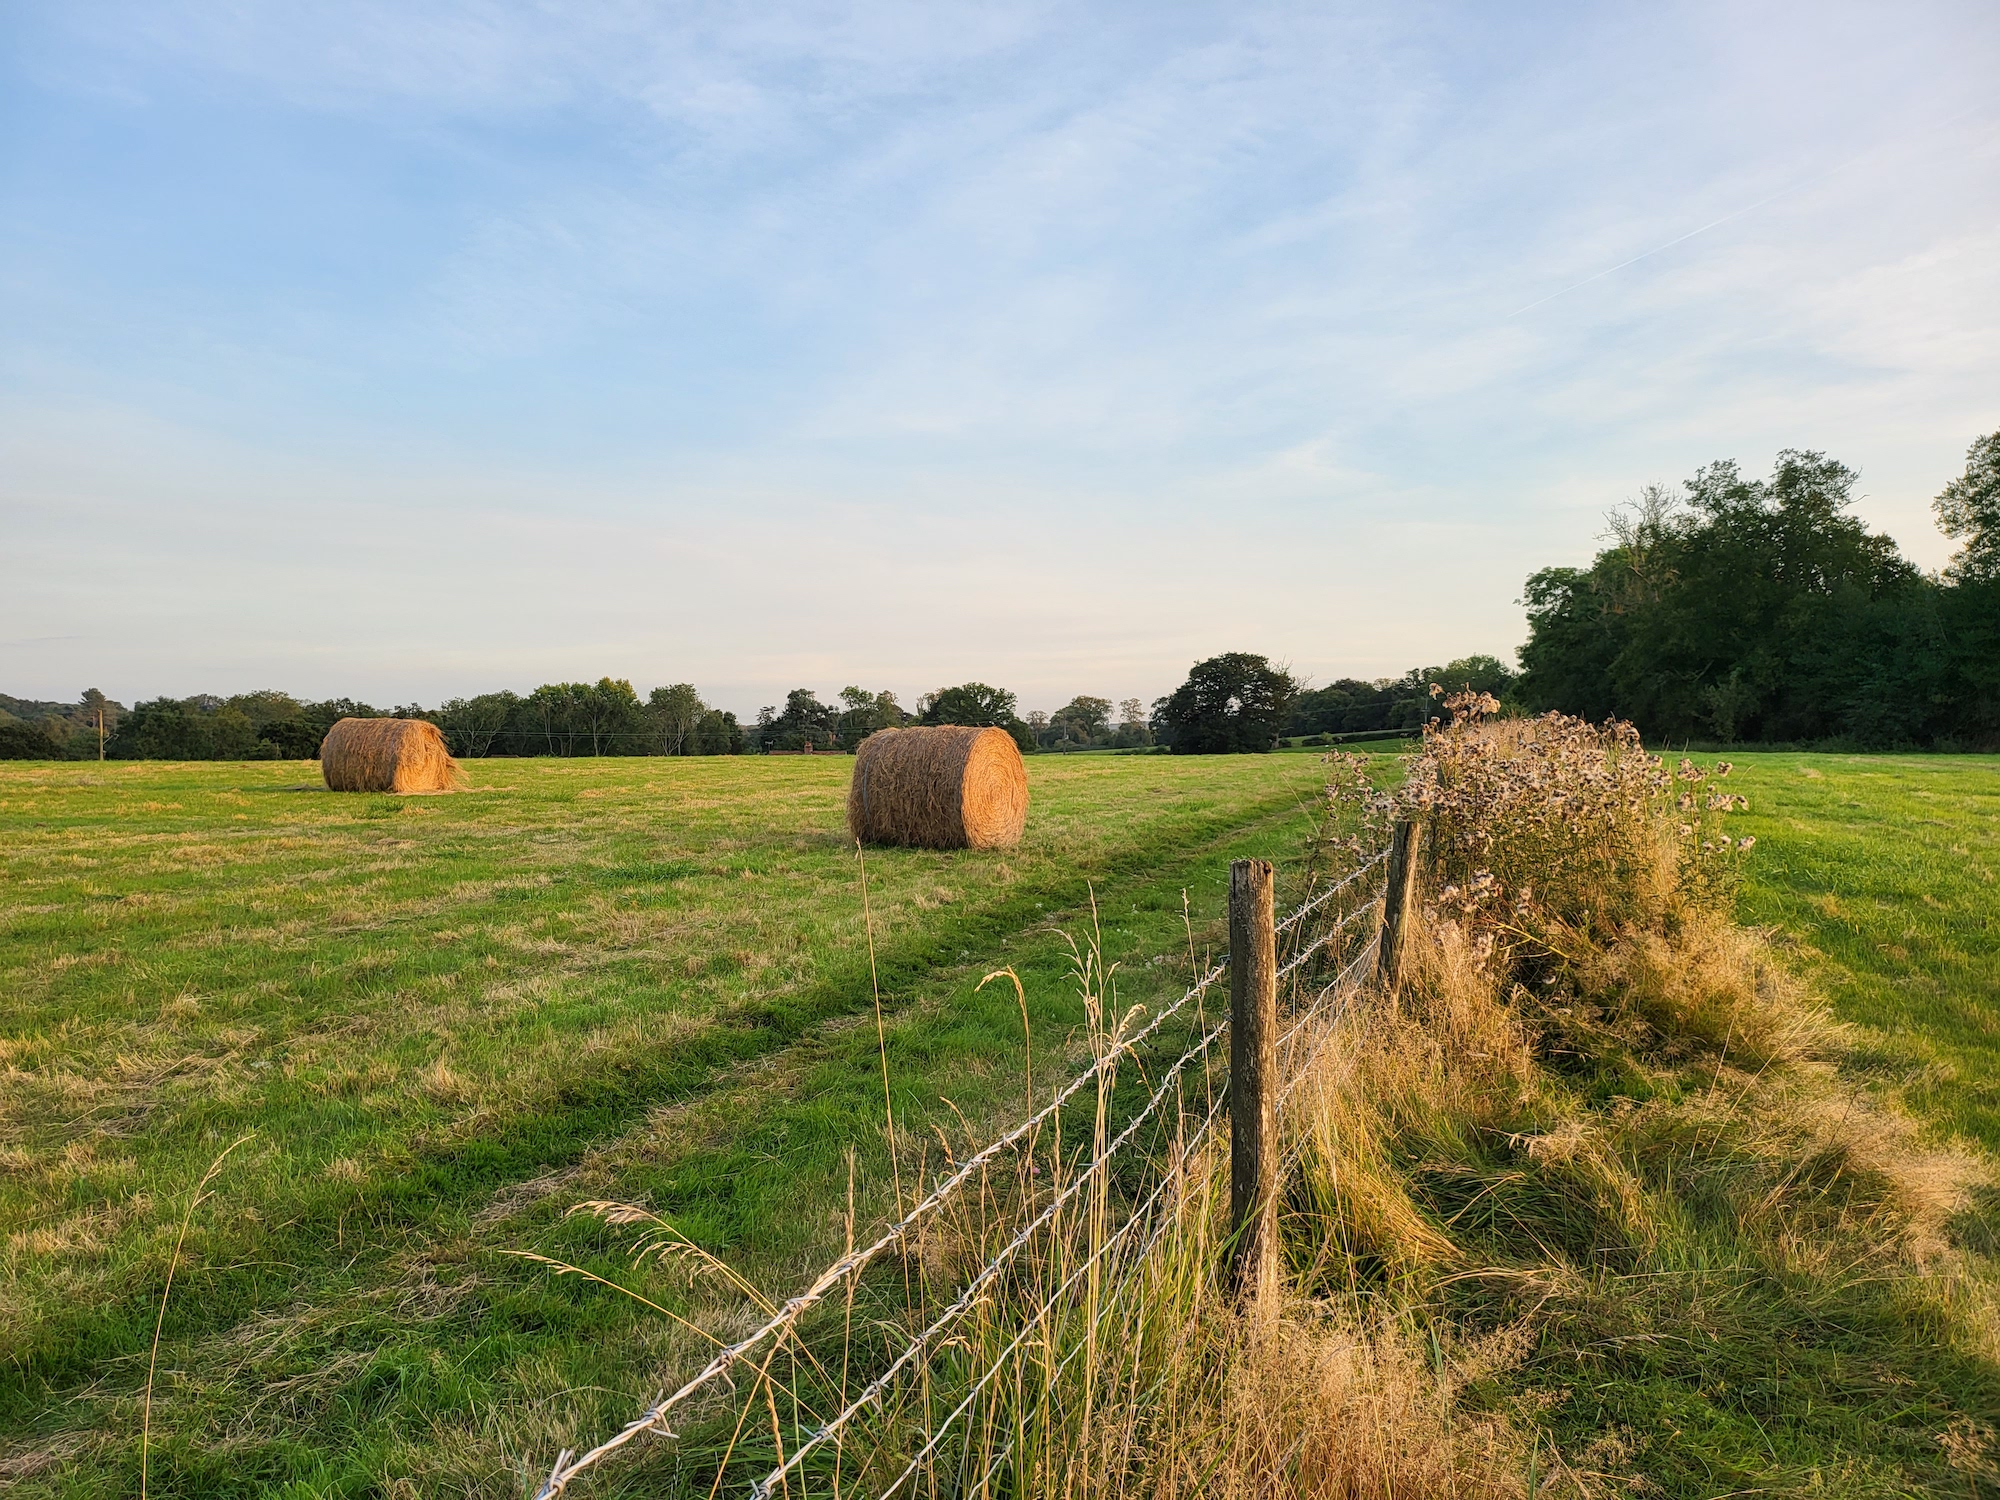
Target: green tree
<point>611,719</point>
<point>976,705</point>
<point>719,734</point>
<point>1969,511</point>
<point>22,739</point>
<point>291,739</point>
<point>675,714</point>
<point>329,712</point>
<point>199,728</point>
<point>97,718</point>
<point>863,712</point>
<point>555,710</point>
<point>1081,723</point>
<point>1740,608</point>
<point>805,724</point>
<point>1133,731</point>
<point>1236,703</point>
<point>474,727</point>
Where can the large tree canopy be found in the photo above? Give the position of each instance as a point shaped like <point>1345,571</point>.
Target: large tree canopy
<point>976,704</point>
<point>1230,704</point>
<point>1759,610</point>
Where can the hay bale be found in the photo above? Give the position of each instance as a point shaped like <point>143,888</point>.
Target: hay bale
<point>945,787</point>
<point>387,755</point>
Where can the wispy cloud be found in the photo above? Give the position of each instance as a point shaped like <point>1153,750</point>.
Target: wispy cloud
<point>917,334</point>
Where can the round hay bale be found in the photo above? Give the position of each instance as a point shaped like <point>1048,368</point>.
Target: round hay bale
<point>945,787</point>
<point>387,755</point>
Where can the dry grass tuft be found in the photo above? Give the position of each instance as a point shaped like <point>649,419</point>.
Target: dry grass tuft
<point>1337,1409</point>
<point>1714,984</point>
<point>442,1086</point>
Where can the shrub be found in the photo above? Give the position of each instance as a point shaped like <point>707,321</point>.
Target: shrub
<point>1549,832</point>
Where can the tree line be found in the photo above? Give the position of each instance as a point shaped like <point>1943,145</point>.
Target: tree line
<point>606,717</point>
<point>1733,609</point>
<point>1743,610</point>
<point>1236,702</point>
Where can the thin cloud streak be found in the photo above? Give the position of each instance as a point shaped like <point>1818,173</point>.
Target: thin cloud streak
<point>1727,218</point>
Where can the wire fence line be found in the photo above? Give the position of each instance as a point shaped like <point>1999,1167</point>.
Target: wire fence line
<point>993,1268</point>
<point>845,1271</point>
<point>1335,994</point>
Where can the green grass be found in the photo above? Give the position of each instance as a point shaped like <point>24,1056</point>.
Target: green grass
<point>447,1019</point>
<point>1718,1368</point>
<point>1884,871</point>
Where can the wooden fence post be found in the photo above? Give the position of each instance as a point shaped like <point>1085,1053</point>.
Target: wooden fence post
<point>1404,842</point>
<point>1253,1081</point>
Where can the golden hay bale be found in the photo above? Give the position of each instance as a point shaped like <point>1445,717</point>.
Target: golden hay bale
<point>938,788</point>
<point>387,755</point>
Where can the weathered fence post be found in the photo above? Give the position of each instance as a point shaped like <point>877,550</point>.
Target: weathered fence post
<point>1253,1082</point>
<point>1404,841</point>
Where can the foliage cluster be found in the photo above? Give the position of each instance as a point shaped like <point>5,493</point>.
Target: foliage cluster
<point>976,705</point>
<point>1349,705</point>
<point>805,723</point>
<point>1744,609</point>
<point>1084,723</point>
<point>1238,702</point>
<point>34,730</point>
<point>1556,833</point>
<point>606,717</point>
<point>1233,704</point>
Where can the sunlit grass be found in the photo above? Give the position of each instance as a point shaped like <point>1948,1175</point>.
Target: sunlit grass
<point>1885,871</point>
<point>439,1013</point>
<point>450,1019</point>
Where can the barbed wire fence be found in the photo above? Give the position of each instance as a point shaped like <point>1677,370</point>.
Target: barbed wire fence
<point>1024,1251</point>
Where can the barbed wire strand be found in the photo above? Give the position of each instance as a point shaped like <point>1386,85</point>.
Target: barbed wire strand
<point>1334,1000</point>
<point>1298,959</point>
<point>1307,908</point>
<point>992,1269</point>
<point>969,1297</point>
<point>654,1417</point>
<point>568,1465</point>
<point>1167,1178</point>
<point>1335,995</point>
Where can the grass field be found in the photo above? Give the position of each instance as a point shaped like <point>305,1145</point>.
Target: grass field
<point>443,1021</point>
<point>1885,873</point>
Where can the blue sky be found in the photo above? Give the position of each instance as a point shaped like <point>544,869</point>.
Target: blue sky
<point>406,349</point>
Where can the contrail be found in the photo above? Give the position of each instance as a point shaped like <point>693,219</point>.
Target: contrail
<point>1738,213</point>
<point>1679,240</point>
